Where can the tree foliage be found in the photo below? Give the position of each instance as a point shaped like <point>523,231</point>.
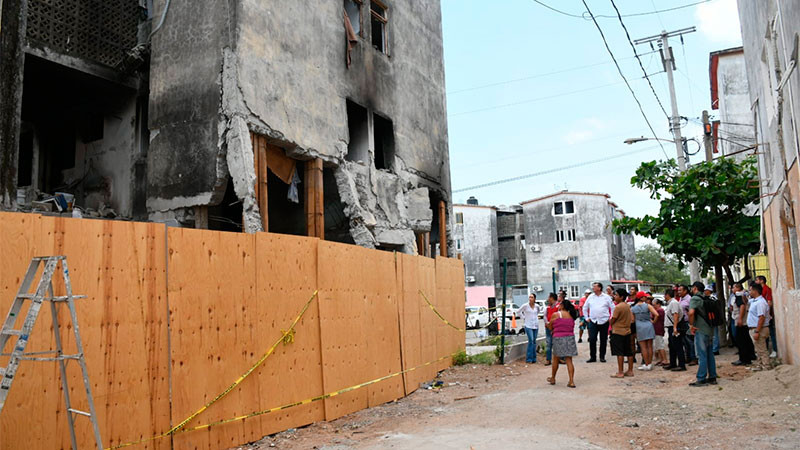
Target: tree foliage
<point>658,268</point>
<point>702,210</point>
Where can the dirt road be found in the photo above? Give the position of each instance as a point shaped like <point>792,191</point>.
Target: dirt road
<point>488,407</point>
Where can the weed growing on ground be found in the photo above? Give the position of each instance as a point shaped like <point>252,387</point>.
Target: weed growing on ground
<point>461,358</point>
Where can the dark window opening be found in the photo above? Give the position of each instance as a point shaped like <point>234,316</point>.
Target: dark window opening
<point>353,9</point>
<point>227,216</point>
<point>358,128</point>
<point>25,164</point>
<point>570,208</point>
<point>559,208</point>
<point>434,234</point>
<point>384,143</point>
<point>286,216</point>
<point>378,21</point>
<point>337,225</point>
<point>77,132</point>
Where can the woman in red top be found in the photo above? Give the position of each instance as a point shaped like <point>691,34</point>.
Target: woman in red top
<point>562,326</point>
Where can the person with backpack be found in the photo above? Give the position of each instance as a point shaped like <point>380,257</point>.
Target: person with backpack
<point>703,317</point>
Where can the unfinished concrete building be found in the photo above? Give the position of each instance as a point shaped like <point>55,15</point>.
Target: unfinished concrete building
<point>570,243</point>
<point>240,115</point>
<point>476,244</point>
<point>732,128</point>
<point>511,248</point>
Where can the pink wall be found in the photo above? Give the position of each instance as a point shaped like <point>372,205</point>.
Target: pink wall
<point>479,295</point>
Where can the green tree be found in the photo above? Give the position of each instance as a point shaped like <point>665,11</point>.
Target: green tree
<point>658,268</point>
<point>702,211</point>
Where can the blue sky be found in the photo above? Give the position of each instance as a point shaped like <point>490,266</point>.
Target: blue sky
<point>532,119</point>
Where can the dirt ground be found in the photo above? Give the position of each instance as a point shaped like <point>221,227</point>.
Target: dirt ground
<point>512,406</point>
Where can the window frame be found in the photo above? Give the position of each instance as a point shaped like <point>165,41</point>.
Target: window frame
<point>360,5</point>
<point>572,263</point>
<point>563,264</point>
<point>563,205</point>
<point>574,291</point>
<point>459,218</point>
<point>384,22</point>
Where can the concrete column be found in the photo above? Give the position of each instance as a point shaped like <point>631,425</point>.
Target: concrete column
<point>13,15</point>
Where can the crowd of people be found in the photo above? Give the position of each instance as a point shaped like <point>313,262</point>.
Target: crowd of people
<point>680,330</point>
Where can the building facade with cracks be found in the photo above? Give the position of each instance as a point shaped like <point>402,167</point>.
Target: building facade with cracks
<point>326,120</point>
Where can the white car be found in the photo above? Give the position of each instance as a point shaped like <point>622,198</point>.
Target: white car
<point>477,316</point>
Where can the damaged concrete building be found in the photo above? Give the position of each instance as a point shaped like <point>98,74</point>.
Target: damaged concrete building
<point>240,115</point>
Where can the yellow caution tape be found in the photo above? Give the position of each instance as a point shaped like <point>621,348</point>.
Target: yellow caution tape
<point>288,405</point>
<point>287,337</point>
<point>433,308</point>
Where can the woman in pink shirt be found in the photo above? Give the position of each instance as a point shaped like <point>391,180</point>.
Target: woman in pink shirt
<point>562,326</point>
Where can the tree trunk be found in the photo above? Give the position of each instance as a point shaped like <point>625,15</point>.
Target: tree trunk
<point>721,299</point>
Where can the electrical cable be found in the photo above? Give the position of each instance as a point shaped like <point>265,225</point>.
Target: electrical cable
<point>515,80</point>
<point>655,11</point>
<point>557,169</point>
<point>545,150</point>
<point>633,47</point>
<point>558,10</point>
<point>689,80</point>
<point>619,69</point>
<point>522,102</point>
<point>588,16</point>
<point>161,22</point>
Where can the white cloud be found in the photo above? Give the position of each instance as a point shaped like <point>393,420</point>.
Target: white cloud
<point>584,130</point>
<point>719,22</point>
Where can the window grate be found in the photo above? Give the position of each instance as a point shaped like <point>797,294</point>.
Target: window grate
<point>99,30</point>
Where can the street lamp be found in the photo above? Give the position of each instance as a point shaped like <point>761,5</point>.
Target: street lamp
<point>635,140</point>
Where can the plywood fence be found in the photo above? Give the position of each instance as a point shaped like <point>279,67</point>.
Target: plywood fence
<point>174,316</point>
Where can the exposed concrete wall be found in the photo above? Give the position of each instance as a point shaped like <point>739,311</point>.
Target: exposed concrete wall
<point>593,246</point>
<point>186,159</point>
<point>480,252</point>
<point>279,67</point>
<point>12,32</point>
<point>767,44</point>
<point>736,118</point>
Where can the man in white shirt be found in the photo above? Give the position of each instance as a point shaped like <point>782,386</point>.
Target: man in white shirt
<point>529,312</point>
<point>758,321</point>
<point>597,311</point>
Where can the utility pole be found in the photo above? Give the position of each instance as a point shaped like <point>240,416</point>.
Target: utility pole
<point>707,137</point>
<point>669,65</point>
<point>668,59</point>
<point>503,317</point>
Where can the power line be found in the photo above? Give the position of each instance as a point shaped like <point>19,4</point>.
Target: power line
<point>545,150</point>
<point>655,11</point>
<point>644,71</point>
<point>557,169</point>
<point>588,16</point>
<point>540,75</point>
<point>558,10</point>
<point>522,102</point>
<point>619,69</point>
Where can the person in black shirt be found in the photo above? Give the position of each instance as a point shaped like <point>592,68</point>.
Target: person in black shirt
<point>747,351</point>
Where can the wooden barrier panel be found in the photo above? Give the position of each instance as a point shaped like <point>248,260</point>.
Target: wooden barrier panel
<point>359,326</point>
<point>120,266</point>
<point>205,306</point>
<point>450,302</point>
<point>213,328</point>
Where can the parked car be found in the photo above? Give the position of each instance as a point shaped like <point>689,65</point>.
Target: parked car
<point>542,307</point>
<point>477,316</point>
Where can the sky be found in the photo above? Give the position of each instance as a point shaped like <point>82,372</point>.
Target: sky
<point>530,90</point>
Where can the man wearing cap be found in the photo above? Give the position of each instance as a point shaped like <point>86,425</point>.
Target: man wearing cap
<point>582,318</point>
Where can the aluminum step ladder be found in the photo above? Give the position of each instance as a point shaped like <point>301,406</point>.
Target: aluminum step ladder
<point>44,293</point>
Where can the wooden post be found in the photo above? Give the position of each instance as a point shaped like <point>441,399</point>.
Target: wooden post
<point>315,199</point>
<point>421,244</point>
<point>201,217</point>
<point>442,230</point>
<point>260,158</point>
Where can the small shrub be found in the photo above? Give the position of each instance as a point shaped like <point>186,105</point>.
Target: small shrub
<point>483,358</point>
<point>460,358</point>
